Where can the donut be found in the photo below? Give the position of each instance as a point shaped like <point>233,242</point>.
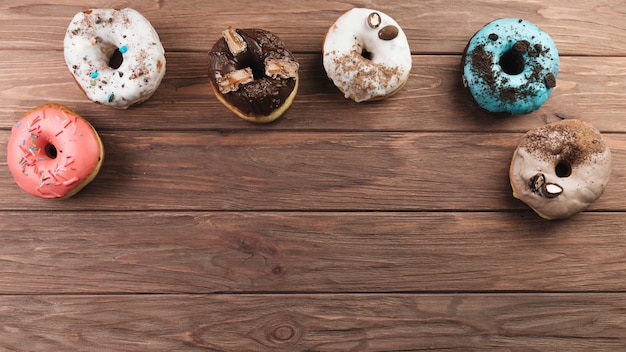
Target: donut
<point>53,152</point>
<point>510,66</point>
<point>115,56</point>
<point>366,55</point>
<point>560,168</point>
<point>253,74</point>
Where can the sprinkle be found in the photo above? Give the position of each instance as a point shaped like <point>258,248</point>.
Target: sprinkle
<point>51,174</point>
<point>123,49</point>
<point>70,181</point>
<point>58,133</point>
<point>94,74</point>
<point>41,159</point>
<point>33,148</point>
<point>18,124</point>
<point>23,141</point>
<point>93,83</point>
<point>110,97</point>
<point>66,123</point>
<point>33,136</point>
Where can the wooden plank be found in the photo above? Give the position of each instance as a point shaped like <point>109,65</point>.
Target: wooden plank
<point>304,171</point>
<point>299,171</point>
<point>579,28</point>
<point>433,99</point>
<point>451,322</point>
<point>334,252</point>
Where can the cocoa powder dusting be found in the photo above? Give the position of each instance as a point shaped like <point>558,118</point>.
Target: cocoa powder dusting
<point>572,140</point>
<point>365,81</point>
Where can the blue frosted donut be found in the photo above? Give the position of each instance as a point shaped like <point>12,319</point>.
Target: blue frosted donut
<point>510,66</point>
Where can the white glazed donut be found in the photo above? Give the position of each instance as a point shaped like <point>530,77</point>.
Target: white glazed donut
<point>367,55</point>
<point>115,56</point>
<point>560,168</point>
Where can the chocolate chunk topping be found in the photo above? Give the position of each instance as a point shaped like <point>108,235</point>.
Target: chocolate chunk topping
<point>388,32</point>
<point>493,37</point>
<point>521,46</point>
<point>264,94</point>
<point>550,80</point>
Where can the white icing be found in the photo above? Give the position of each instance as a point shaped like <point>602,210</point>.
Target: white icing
<point>94,35</point>
<point>359,78</point>
<point>585,184</point>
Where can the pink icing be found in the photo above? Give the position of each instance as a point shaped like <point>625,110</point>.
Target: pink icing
<point>52,152</point>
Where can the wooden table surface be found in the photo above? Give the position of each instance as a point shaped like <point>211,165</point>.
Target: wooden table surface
<point>384,226</point>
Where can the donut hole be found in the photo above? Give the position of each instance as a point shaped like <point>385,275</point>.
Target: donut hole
<point>116,59</point>
<point>512,62</point>
<point>258,71</point>
<point>366,54</point>
<point>51,151</point>
<point>563,169</point>
<point>257,67</point>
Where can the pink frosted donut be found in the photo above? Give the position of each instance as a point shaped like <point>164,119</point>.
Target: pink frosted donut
<point>53,152</point>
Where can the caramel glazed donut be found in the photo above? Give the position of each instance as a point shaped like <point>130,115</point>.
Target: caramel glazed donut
<point>253,74</point>
<point>53,152</point>
<point>366,55</point>
<point>115,56</point>
<point>560,168</point>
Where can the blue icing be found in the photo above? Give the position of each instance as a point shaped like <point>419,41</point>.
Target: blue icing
<point>502,87</point>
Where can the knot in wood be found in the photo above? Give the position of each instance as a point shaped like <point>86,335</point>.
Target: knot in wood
<point>283,333</point>
<point>282,330</point>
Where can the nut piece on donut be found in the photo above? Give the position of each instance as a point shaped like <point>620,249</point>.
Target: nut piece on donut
<point>253,74</point>
<point>53,152</point>
<point>115,56</point>
<point>366,55</point>
<point>560,168</point>
<point>510,66</point>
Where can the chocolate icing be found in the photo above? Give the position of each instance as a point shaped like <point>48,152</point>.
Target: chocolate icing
<point>265,94</point>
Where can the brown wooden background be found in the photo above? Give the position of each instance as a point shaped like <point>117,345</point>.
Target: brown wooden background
<point>385,226</point>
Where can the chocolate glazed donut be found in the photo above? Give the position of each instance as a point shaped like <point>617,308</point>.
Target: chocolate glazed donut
<point>253,74</point>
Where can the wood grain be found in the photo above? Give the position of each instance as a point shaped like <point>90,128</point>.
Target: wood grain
<point>164,252</point>
<point>304,171</point>
<point>432,27</point>
<point>384,226</point>
<point>433,99</point>
<point>450,322</point>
